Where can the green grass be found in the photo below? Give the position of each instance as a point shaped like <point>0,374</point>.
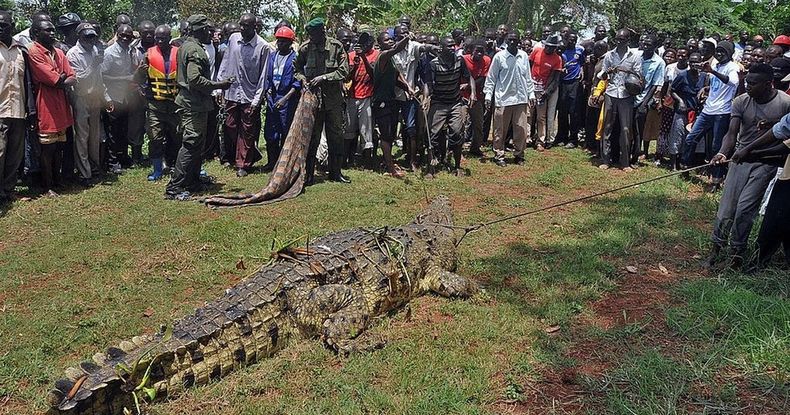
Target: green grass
<point>78,273</point>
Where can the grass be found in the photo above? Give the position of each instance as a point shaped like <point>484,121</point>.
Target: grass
<point>89,269</point>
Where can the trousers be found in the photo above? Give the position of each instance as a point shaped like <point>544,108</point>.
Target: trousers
<point>740,201</point>
<point>517,117</point>
<point>12,152</point>
<point>243,125</point>
<point>617,109</point>
<point>87,135</point>
<point>186,172</point>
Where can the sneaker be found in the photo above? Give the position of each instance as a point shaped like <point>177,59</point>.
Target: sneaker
<point>500,162</point>
<point>541,148</point>
<point>241,173</point>
<point>603,166</point>
<point>51,194</point>
<point>570,145</point>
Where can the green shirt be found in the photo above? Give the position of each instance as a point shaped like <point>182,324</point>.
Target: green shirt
<point>329,61</point>
<point>194,77</point>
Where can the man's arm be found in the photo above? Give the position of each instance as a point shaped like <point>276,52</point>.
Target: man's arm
<point>43,71</point>
<point>265,52</point>
<point>728,142</point>
<point>342,70</point>
<point>299,63</point>
<point>141,73</point>
<point>554,81</point>
<point>195,79</point>
<point>780,131</point>
<point>491,80</point>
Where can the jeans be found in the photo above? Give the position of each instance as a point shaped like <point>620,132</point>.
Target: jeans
<point>704,123</point>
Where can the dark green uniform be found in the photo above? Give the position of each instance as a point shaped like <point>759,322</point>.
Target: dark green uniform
<point>331,62</point>
<point>194,102</point>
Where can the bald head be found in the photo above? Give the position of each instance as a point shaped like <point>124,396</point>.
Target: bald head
<point>122,19</point>
<point>146,29</point>
<point>162,37</point>
<point>247,24</point>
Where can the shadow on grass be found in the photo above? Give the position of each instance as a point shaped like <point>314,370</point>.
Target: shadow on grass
<point>738,320</point>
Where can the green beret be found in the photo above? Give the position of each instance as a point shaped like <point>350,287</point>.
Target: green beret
<point>197,21</point>
<point>317,22</point>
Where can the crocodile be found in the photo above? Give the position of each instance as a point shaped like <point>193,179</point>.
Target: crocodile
<point>329,290</point>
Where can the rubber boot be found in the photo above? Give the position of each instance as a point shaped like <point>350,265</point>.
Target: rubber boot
<point>157,173</point>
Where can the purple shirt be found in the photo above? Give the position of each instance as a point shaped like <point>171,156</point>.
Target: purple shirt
<point>247,62</point>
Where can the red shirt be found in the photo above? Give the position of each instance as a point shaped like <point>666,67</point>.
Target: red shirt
<point>477,70</point>
<point>361,81</point>
<point>54,112</point>
<point>543,65</point>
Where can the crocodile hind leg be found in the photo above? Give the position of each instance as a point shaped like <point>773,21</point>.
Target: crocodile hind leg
<point>448,284</point>
<point>339,314</point>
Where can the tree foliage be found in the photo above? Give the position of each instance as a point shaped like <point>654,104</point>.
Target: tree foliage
<point>678,17</point>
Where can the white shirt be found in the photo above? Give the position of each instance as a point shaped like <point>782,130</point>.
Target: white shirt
<point>24,38</point>
<point>406,62</point>
<point>719,100</point>
<point>509,79</point>
<point>89,77</point>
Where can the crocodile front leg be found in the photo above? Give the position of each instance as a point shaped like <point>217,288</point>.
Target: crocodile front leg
<point>448,284</point>
<point>339,314</point>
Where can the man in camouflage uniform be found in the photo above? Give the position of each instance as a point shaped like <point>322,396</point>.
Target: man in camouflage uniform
<point>322,64</point>
<point>194,101</point>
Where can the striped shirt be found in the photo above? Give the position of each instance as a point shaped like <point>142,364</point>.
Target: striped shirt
<point>444,80</point>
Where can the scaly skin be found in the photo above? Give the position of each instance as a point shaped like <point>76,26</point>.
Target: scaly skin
<point>330,293</point>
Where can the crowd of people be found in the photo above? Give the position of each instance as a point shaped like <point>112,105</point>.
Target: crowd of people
<point>76,107</point>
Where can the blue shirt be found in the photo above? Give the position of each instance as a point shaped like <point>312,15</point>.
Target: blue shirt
<point>653,74</point>
<point>573,60</point>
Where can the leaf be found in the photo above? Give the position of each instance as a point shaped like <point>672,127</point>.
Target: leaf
<point>240,264</point>
<point>76,387</point>
<point>631,269</point>
<point>663,269</point>
<point>148,312</point>
<point>151,393</point>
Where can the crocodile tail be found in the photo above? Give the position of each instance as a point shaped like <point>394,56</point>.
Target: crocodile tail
<point>202,347</point>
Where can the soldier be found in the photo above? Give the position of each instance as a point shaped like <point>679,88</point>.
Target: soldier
<point>323,64</point>
<point>158,73</point>
<point>193,75</point>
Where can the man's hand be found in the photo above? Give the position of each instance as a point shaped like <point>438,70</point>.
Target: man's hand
<point>109,106</point>
<point>718,159</point>
<point>706,67</point>
<point>315,82</point>
<point>425,103</point>
<point>69,82</point>
<point>532,102</point>
<point>682,106</point>
<point>281,103</point>
<point>223,85</point>
<point>739,156</point>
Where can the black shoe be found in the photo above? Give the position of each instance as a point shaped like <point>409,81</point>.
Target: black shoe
<point>241,173</point>
<point>339,178</point>
<point>519,161</point>
<point>713,257</point>
<point>500,163</point>
<point>476,153</point>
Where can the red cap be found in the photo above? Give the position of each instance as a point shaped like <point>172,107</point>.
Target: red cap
<point>285,32</point>
<point>782,40</point>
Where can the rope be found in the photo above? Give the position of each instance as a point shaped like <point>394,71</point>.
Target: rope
<point>474,228</point>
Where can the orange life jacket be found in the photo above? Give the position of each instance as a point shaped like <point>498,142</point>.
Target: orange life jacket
<point>163,84</point>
